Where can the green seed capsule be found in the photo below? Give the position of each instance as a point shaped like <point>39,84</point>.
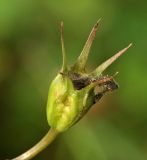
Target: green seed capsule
<point>72,93</point>
<point>66,104</point>
<point>59,103</point>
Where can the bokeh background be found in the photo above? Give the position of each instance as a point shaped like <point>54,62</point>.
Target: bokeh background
<point>30,57</point>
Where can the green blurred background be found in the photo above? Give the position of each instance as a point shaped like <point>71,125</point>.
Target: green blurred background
<point>30,57</point>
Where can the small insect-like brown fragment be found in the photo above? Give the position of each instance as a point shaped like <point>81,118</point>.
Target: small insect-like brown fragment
<point>104,84</point>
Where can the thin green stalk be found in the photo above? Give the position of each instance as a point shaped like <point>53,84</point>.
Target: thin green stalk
<point>41,145</point>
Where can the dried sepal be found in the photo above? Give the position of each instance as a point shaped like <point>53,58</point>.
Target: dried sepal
<point>97,72</point>
<point>64,60</point>
<point>80,64</point>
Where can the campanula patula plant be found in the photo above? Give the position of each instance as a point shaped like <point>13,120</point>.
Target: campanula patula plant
<point>73,92</point>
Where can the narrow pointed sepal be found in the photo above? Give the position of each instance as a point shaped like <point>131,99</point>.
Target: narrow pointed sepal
<point>82,59</point>
<point>97,72</point>
<point>64,63</point>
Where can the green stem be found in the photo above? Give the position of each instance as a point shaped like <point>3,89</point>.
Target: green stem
<point>41,145</point>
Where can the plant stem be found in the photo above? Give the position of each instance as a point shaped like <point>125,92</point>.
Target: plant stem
<point>41,145</point>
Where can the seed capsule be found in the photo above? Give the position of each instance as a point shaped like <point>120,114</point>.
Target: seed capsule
<point>73,92</point>
<point>65,103</point>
